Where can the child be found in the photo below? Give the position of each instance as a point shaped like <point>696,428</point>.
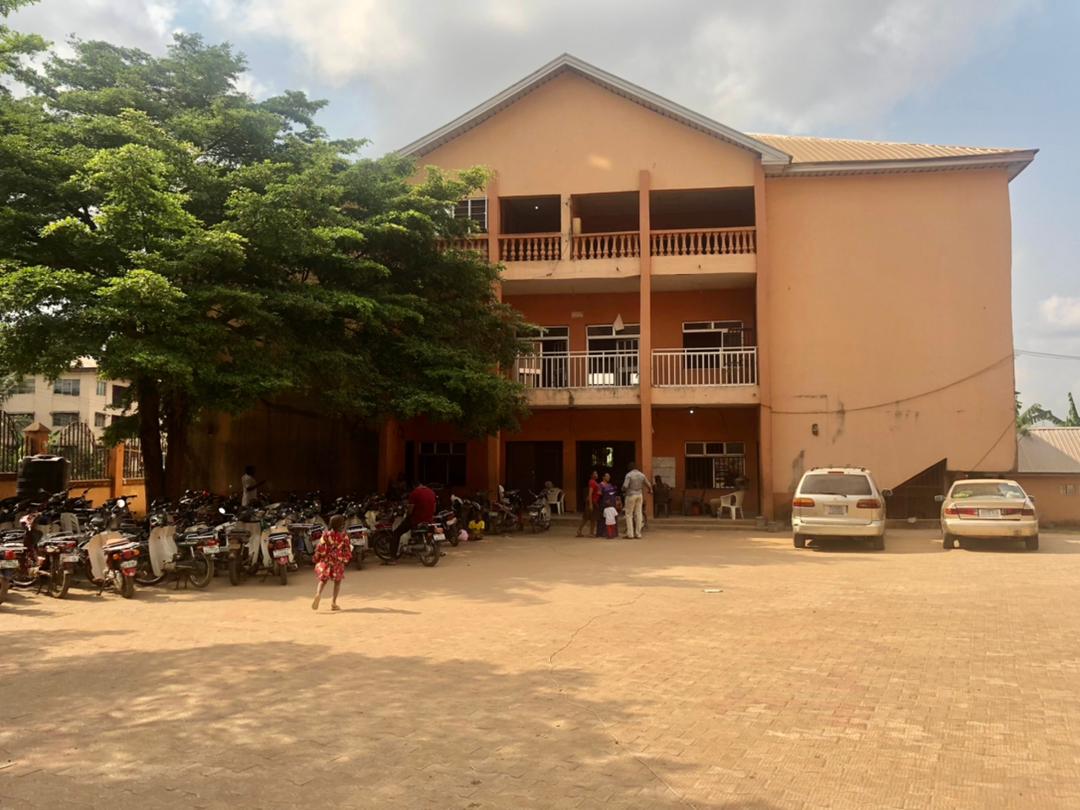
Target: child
<point>331,556</point>
<point>611,519</point>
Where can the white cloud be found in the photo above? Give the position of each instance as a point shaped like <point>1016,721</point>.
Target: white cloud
<point>146,24</point>
<point>1061,313</point>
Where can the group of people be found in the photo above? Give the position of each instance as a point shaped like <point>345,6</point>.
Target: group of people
<point>603,501</point>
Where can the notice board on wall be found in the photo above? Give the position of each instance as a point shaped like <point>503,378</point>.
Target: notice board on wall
<point>664,466</point>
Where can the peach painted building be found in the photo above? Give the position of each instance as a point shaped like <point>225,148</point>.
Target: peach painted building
<point>721,305</point>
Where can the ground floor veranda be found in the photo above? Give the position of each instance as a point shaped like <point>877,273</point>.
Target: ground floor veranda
<point>701,453</point>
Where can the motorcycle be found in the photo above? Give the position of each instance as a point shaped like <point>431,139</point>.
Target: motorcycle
<point>188,553</point>
<point>111,557</point>
<point>447,521</point>
<point>539,513</point>
<point>18,562</point>
<point>422,541</point>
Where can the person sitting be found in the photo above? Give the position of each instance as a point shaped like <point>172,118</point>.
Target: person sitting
<point>661,498</point>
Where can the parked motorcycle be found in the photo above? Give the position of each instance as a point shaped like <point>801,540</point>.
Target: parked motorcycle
<point>421,542</point>
<point>539,513</point>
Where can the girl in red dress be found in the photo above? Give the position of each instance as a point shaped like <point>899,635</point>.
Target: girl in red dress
<point>332,554</point>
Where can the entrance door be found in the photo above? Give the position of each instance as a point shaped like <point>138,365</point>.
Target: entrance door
<point>603,456</point>
<point>530,464</point>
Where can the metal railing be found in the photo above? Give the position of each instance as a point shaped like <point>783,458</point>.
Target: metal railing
<point>615,245</point>
<point>708,367</point>
<point>479,244</point>
<point>614,369</point>
<point>530,247</point>
<point>12,443</point>
<point>76,442</point>
<point>703,242</point>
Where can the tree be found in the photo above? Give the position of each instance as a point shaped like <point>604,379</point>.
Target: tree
<point>214,251</point>
<point>1027,418</point>
<point>1072,419</point>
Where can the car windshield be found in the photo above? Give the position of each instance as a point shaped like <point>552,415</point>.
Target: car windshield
<point>987,489</point>
<point>835,484</point>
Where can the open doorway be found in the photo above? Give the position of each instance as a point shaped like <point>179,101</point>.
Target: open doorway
<point>531,214</point>
<point>607,456</point>
<point>530,464</point>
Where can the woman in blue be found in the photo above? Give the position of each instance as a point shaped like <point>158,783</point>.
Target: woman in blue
<point>608,497</point>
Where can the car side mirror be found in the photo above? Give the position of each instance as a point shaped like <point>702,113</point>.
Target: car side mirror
<point>1031,498</point>
<point>886,493</point>
<point>939,498</point>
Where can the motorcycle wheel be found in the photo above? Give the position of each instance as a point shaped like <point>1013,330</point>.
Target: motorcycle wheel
<point>23,582</point>
<point>382,546</point>
<point>283,573</point>
<point>453,538</point>
<point>4,585</point>
<point>59,582</point>
<point>144,574</point>
<point>127,586</point>
<point>358,559</point>
<point>430,554</point>
<point>234,571</point>
<point>202,573</point>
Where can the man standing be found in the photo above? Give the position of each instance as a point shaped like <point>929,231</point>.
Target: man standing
<point>635,485</point>
<point>249,487</point>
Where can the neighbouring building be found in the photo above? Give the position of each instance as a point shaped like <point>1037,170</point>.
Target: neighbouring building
<point>76,396</point>
<point>1048,468</point>
<point>729,308</point>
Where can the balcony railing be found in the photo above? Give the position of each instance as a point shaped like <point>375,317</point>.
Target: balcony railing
<point>703,242</point>
<point>711,367</point>
<point>616,245</point>
<point>476,243</point>
<point>614,369</point>
<point>530,247</point>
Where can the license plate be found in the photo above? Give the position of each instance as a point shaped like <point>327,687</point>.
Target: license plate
<point>989,513</point>
<point>66,558</point>
<point>9,563</point>
<point>835,510</point>
<point>211,549</point>
<point>439,537</point>
<point>129,563</point>
<point>281,552</point>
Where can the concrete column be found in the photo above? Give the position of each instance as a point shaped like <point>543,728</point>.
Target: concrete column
<point>645,318</point>
<point>762,328</point>
<point>116,470</point>
<point>566,226</point>
<point>494,217</point>
<point>571,486</point>
<point>37,439</point>
<point>494,463</point>
<point>390,454</point>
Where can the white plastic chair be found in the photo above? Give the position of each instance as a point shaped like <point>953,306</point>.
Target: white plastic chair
<point>732,503</point>
<point>556,500</point>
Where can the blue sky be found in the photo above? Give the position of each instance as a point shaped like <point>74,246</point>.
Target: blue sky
<point>998,73</point>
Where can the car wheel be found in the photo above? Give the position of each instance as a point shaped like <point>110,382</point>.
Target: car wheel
<point>947,541</point>
<point>800,541</point>
<point>1032,543</point>
<point>878,543</point>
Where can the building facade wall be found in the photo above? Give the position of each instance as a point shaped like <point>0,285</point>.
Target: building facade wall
<point>1057,497</point>
<point>43,402</point>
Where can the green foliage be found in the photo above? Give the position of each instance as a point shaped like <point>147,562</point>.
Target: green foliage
<point>215,250</point>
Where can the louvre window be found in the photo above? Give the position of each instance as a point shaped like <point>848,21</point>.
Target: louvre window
<point>714,465</point>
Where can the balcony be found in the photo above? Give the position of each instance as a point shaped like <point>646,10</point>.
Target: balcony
<point>608,378</point>
<point>705,376</point>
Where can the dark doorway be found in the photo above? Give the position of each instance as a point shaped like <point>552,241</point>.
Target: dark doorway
<point>603,456</point>
<point>915,497</point>
<point>532,214</point>
<point>530,464</point>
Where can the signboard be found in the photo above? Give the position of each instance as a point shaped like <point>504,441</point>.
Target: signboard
<point>664,466</point>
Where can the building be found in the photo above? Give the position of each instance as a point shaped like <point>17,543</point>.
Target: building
<point>1048,468</point>
<point>77,396</point>
<point>729,308</point>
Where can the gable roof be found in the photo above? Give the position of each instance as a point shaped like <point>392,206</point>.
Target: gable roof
<point>1049,450</point>
<point>781,155</point>
<point>571,64</point>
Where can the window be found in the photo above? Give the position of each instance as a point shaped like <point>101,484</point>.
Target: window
<point>835,484</point>
<point>713,334</point>
<point>64,418</point>
<point>715,465</point>
<point>1064,489</point>
<point>25,386</point>
<point>102,388</point>
<point>550,366</point>
<point>442,463</point>
<point>66,387</point>
<point>99,420</point>
<point>474,209</point>
<point>119,396</point>
<point>21,421</point>
<point>613,354</point>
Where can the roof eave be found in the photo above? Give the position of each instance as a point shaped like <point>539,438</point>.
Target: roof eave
<point>1015,162</point>
<point>770,156</point>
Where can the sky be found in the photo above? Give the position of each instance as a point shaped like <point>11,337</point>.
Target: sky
<point>970,72</point>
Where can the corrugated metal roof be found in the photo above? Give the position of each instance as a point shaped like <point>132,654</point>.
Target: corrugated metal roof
<point>1049,450</point>
<point>807,149</point>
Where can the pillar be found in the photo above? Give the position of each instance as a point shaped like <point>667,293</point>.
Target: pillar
<point>116,470</point>
<point>493,444</point>
<point>645,318</point>
<point>390,454</point>
<point>762,322</point>
<point>494,463</point>
<point>37,439</point>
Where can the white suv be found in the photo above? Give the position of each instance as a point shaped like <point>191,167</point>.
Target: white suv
<point>838,502</point>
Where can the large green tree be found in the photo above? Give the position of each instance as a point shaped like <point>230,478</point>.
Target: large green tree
<point>215,250</point>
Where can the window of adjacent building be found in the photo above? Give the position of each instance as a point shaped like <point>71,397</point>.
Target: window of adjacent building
<point>102,388</point>
<point>24,386</point>
<point>119,395</point>
<point>714,465</point>
<point>474,209</point>
<point>99,420</point>
<point>21,421</point>
<point>442,463</point>
<point>64,418</point>
<point>1067,489</point>
<point>67,387</point>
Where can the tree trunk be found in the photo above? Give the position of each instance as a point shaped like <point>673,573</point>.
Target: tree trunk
<point>149,398</point>
<point>177,422</point>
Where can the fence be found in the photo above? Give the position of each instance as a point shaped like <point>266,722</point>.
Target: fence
<point>76,442</point>
<point>12,443</point>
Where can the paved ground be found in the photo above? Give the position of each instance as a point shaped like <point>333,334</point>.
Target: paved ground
<point>557,672</point>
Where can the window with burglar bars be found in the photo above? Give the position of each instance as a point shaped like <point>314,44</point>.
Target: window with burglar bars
<point>474,209</point>
<point>68,387</point>
<point>442,463</point>
<point>26,385</point>
<point>714,465</point>
<point>76,442</point>
<point>12,442</point>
